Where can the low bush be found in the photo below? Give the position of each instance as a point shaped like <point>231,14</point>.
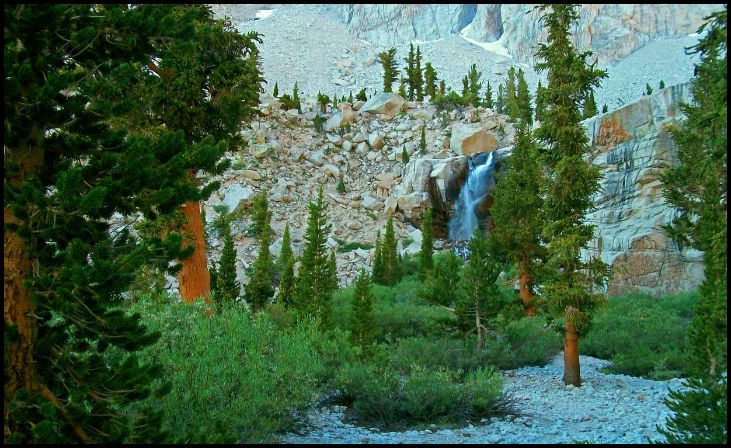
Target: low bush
<point>347,247</point>
<point>450,101</point>
<point>643,335</point>
<point>436,353</point>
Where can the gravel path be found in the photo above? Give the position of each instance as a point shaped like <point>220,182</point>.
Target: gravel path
<point>606,409</point>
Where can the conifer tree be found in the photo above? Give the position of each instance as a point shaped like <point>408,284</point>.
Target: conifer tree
<point>285,253</point>
<point>525,113</point>
<point>517,215</point>
<point>402,88</point>
<point>540,104</point>
<point>318,122</point>
<point>422,140</point>
<point>377,271</point>
<point>430,80</point>
<point>314,281</point>
<point>662,84</point>
<point>362,324</point>
<point>465,88</point>
<point>405,155</point>
<point>341,185</point>
<point>350,97</point>
<point>213,270</point>
<point>500,101</point>
<point>605,109</point>
<point>86,72</point>
<point>511,103</point>
<point>488,97</point>
<point>389,256</point>
<point>475,85</point>
<point>442,88</point>
<point>411,72</point>
<point>227,286</point>
<point>275,93</point>
<point>569,287</point>
<point>322,100</point>
<point>296,98</point>
<point>697,188</point>
<point>441,285</point>
<point>648,89</point>
<point>287,285</point>
<point>425,255</point>
<point>259,289</point>
<point>418,76</point>
<point>260,212</point>
<point>478,298</point>
<point>590,107</point>
<point>390,69</point>
<point>361,96</point>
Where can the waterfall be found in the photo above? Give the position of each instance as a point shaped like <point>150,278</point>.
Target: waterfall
<point>474,191</point>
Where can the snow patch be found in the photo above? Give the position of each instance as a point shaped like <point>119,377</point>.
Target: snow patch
<point>493,47</point>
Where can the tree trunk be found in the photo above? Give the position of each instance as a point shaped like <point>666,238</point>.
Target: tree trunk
<point>194,281</point>
<point>20,369</point>
<point>526,296</point>
<point>571,368</point>
<point>480,330</point>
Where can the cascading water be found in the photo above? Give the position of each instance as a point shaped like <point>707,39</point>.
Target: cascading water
<point>474,191</point>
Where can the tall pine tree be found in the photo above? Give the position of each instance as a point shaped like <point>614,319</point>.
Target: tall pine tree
<point>285,254</point>
<point>525,112</point>
<point>488,97</point>
<point>389,256</point>
<point>540,104</point>
<point>377,269</point>
<point>390,69</point>
<point>228,288</point>
<point>259,289</point>
<point>568,288</point>
<point>362,324</point>
<point>430,80</point>
<point>418,76</point>
<point>511,102</point>
<point>697,188</point>
<point>590,107</point>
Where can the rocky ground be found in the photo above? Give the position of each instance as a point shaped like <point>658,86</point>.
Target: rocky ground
<point>606,409</point>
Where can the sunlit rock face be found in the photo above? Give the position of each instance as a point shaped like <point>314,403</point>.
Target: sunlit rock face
<point>632,148</point>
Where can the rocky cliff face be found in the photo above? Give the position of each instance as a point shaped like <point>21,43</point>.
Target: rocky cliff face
<point>633,148</point>
<point>611,31</point>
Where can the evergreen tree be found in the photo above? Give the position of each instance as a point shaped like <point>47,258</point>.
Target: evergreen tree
<point>402,88</point>
<point>475,85</point>
<point>362,324</point>
<point>511,103</point>
<point>389,256</point>
<point>430,80</point>
<point>500,101</point>
<point>314,281</point>
<point>418,77</point>
<point>590,107</point>
<point>296,98</point>
<point>488,97</point>
<point>425,255</point>
<point>697,188</point>
<point>341,185</point>
<point>227,287</point>
<point>662,84</point>
<point>86,72</point>
<point>405,155</point>
<point>361,96</point>
<point>478,300</point>
<point>285,253</point>
<point>350,97</point>
<point>441,285</point>
<point>442,88</point>
<point>259,289</point>
<point>648,89</point>
<point>540,104</point>
<point>422,140</point>
<point>260,212</point>
<point>390,68</point>
<point>465,88</point>
<point>287,285</point>
<point>377,271</point>
<point>568,289</point>
<point>322,100</point>
<point>525,113</point>
<point>605,109</point>
<point>318,123</point>
<point>517,215</point>
<point>411,72</point>
<point>275,93</point>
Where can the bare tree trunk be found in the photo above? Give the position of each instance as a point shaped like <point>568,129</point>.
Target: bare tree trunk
<point>194,281</point>
<point>571,368</point>
<point>20,369</point>
<point>526,296</point>
<point>480,329</point>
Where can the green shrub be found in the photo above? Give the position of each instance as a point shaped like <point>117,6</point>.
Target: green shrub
<point>353,245</point>
<point>532,343</point>
<point>435,353</point>
<point>230,371</point>
<point>450,101</point>
<point>643,335</point>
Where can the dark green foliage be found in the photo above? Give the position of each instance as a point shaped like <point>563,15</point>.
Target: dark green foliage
<point>500,101</point>
<point>648,89</point>
<point>488,97</point>
<point>411,72</point>
<point>422,140</point>
<point>260,212</point>
<point>522,99</point>
<point>418,76</point>
<point>362,326</point>
<point>402,88</point>
<point>296,98</point>
<point>347,247</point>
<point>662,84</point>
<point>450,101</point>
<point>341,185</point>
<point>404,155</point>
<point>425,255</point>
<point>697,188</point>
<point>590,107</point>
<point>656,326</point>
<point>430,80</point>
<point>227,287</point>
<point>332,268</point>
<point>259,289</point>
<point>442,88</point>
<point>570,281</point>
<point>361,96</point>
<point>287,284</point>
<point>108,155</point>
<point>540,101</point>
<point>605,109</point>
<point>285,253</point>
<point>389,256</point>
<point>318,122</point>
<point>275,93</point>
<point>314,281</point>
<point>377,269</point>
<point>441,286</point>
<point>511,97</point>
<point>323,100</point>
<point>390,68</point>
<point>474,86</point>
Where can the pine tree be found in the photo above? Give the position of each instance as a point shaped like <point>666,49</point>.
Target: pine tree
<point>478,298</point>
<point>517,215</point>
<point>511,103</point>
<point>648,89</point>
<point>440,286</point>
<point>411,72</point>
<point>568,289</point>
<point>422,140</point>
<point>227,286</point>
<point>405,155</point>
<point>313,283</point>
<point>377,271</point>
<point>442,88</point>
<point>500,101</point>
<point>318,123</point>
<point>86,72</point>
<point>362,324</point>
<point>605,109</point>
<point>475,85</point>
<point>296,98</point>
<point>361,96</point>
<point>402,88</point>
<point>341,185</point>
<point>389,255</point>
<point>465,88</point>
<point>662,84</point>
<point>590,107</point>
<point>425,255</point>
<point>697,188</point>
<point>322,100</point>
<point>350,97</point>
<point>285,254</point>
<point>488,97</point>
<point>275,93</point>
<point>260,212</point>
<point>525,113</point>
<point>287,285</point>
<point>540,103</point>
<point>390,68</point>
<point>259,289</point>
<point>418,77</point>
<point>430,80</point>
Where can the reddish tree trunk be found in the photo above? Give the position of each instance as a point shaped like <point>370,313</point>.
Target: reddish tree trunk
<point>526,296</point>
<point>20,370</point>
<point>194,280</point>
<point>571,368</point>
